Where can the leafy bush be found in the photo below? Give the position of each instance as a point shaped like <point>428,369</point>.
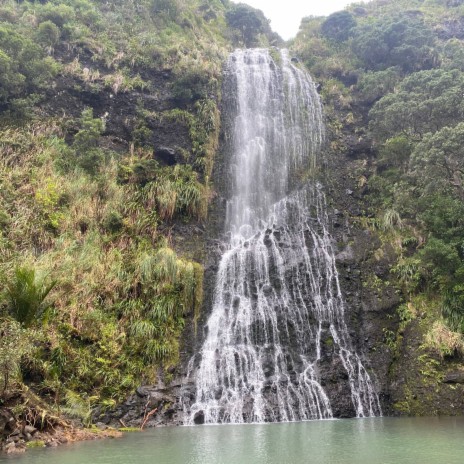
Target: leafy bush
<point>402,41</point>
<point>48,33</point>
<point>338,26</point>
<point>57,14</point>
<point>113,222</point>
<point>191,86</point>
<point>375,85</point>
<point>26,296</point>
<point>396,151</point>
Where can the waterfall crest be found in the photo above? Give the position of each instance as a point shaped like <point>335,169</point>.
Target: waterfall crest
<point>277,297</point>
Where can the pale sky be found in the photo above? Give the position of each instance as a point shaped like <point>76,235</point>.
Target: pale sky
<point>286,15</point>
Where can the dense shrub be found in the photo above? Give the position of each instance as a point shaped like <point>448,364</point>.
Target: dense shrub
<point>338,26</point>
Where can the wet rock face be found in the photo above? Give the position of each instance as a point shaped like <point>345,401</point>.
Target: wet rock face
<point>369,311</point>
<point>363,264</point>
<point>199,418</point>
<point>330,369</point>
<point>336,384</point>
<point>150,406</point>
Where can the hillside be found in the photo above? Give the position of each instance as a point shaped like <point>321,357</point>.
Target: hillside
<point>110,127</point>
<point>391,75</point>
<point>109,124</point>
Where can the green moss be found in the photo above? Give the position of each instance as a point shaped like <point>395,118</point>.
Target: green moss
<point>329,342</point>
<point>402,407</point>
<point>35,444</point>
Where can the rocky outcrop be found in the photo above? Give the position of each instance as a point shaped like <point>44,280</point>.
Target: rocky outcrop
<point>411,379</point>
<point>7,422</point>
<point>149,406</point>
<point>363,262</point>
<point>123,111</point>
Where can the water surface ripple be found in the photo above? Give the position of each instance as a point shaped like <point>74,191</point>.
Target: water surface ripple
<point>356,441</point>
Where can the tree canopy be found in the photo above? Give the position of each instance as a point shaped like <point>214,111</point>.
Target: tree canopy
<point>424,102</point>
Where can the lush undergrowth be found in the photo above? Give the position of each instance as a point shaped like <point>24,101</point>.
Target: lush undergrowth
<point>396,66</point>
<point>93,296</point>
<point>100,295</point>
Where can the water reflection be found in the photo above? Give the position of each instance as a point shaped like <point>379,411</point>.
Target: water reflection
<point>367,441</point>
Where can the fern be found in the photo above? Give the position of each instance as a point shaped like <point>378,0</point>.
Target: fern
<point>26,296</point>
<point>78,407</point>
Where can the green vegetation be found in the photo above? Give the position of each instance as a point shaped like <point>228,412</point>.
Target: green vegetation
<point>26,296</point>
<point>250,26</point>
<point>94,298</point>
<point>14,344</point>
<point>116,294</point>
<point>397,65</point>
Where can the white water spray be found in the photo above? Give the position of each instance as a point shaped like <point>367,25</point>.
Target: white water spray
<point>277,288</point>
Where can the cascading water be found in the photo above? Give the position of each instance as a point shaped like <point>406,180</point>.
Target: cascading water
<point>277,288</point>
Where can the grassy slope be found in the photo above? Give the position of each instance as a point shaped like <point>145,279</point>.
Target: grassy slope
<point>74,211</point>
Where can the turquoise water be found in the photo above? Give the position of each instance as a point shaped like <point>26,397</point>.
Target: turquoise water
<point>373,441</point>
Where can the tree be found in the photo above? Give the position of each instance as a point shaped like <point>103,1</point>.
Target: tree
<point>249,21</point>
<point>396,41</point>
<point>338,26</point>
<point>437,171</point>
<point>437,162</point>
<point>24,68</point>
<point>424,102</point>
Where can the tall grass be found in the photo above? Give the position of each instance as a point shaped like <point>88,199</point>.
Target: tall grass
<point>121,297</point>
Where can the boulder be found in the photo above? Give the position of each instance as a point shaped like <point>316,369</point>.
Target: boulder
<point>7,422</point>
<point>454,377</point>
<point>199,418</point>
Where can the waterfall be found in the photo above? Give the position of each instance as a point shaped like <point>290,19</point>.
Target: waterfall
<point>277,301</point>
